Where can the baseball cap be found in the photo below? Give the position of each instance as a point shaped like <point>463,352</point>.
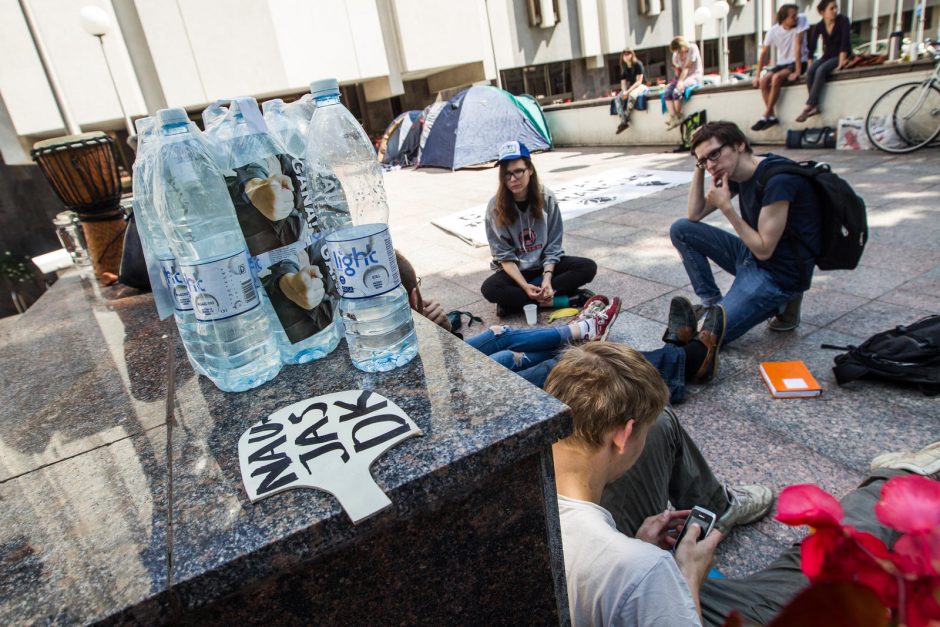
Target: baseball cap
<point>512,150</point>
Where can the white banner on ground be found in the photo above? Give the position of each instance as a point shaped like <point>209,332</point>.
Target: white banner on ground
<point>576,198</point>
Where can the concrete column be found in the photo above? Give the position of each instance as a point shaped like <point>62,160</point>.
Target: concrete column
<point>145,70</point>
<point>389,22</point>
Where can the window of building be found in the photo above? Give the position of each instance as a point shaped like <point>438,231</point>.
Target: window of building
<point>546,82</point>
<point>534,8</point>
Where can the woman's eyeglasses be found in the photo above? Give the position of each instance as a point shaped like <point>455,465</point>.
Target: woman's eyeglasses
<point>713,156</point>
<point>515,174</point>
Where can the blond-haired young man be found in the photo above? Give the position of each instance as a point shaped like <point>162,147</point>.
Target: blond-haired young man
<point>625,457</point>
<point>617,399</point>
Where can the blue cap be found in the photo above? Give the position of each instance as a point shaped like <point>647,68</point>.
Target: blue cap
<point>511,151</point>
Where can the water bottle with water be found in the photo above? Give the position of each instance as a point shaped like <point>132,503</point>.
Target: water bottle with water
<point>169,289</point>
<point>200,224</point>
<point>274,206</point>
<point>374,306</point>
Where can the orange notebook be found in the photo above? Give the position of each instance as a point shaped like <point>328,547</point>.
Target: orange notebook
<point>789,379</point>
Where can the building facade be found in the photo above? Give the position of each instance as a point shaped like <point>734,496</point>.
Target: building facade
<point>388,55</point>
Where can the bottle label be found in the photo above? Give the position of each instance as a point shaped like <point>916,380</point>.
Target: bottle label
<point>174,282</point>
<point>274,204</point>
<point>221,289</point>
<point>363,259</point>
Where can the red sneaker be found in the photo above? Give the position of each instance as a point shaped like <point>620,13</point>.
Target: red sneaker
<point>602,320</point>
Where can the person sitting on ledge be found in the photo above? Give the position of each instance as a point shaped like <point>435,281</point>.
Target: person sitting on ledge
<point>524,230</point>
<point>631,86</point>
<point>835,30</point>
<point>787,35</point>
<point>626,460</point>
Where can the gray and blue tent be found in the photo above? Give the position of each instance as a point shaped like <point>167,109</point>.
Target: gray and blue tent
<point>399,145</point>
<point>473,124</point>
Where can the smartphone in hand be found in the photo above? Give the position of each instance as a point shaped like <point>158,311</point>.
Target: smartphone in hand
<point>704,518</point>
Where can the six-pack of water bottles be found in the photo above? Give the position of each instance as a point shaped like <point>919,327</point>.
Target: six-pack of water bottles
<point>266,237</point>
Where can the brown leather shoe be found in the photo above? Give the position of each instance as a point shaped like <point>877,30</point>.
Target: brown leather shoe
<point>682,322</point>
<point>711,335</point>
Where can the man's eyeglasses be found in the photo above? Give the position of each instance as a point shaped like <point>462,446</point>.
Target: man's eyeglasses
<point>713,156</point>
<point>515,174</point>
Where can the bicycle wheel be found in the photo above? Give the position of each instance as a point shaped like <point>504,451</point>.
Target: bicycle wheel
<point>917,116</point>
<point>904,118</point>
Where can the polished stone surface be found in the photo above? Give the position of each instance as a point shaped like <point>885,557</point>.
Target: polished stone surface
<point>111,512</point>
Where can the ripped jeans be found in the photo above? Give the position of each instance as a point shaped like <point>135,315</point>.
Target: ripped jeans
<point>523,351</point>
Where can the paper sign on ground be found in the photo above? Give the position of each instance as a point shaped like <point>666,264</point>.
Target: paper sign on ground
<point>575,199</point>
<point>326,442</point>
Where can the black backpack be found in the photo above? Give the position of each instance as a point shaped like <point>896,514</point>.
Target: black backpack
<point>844,222</point>
<point>907,354</point>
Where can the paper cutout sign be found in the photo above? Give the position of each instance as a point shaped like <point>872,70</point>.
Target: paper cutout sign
<point>326,442</point>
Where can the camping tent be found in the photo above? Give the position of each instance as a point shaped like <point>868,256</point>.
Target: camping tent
<point>469,129</point>
<point>428,116</point>
<point>399,145</point>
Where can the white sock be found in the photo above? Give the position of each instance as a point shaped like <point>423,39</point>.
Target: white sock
<point>588,328</point>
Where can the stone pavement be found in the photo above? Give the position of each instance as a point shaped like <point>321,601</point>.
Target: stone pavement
<point>747,436</point>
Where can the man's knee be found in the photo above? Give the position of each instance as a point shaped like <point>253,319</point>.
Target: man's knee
<point>680,229</point>
<point>779,78</point>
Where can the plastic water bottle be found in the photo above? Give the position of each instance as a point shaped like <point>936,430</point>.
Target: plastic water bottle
<point>274,206</point>
<point>374,306</point>
<point>169,289</point>
<point>200,224</point>
<point>284,128</point>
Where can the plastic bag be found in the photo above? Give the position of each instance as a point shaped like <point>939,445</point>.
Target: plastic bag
<point>851,134</point>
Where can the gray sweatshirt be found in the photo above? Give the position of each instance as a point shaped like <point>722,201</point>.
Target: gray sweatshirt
<point>529,242</point>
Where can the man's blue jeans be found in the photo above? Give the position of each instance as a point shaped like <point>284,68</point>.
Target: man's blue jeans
<point>532,353</point>
<point>754,296</point>
<point>524,351</point>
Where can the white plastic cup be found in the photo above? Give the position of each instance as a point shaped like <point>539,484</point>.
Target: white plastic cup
<point>531,314</point>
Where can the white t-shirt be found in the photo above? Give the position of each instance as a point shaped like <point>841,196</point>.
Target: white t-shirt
<point>785,41</point>
<point>693,62</point>
<point>614,579</point>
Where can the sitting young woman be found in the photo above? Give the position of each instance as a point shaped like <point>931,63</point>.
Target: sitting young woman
<point>524,230</point>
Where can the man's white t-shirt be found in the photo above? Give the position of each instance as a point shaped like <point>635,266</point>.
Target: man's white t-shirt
<point>785,41</point>
<point>617,580</point>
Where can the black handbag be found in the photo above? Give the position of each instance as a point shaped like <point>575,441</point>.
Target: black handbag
<point>133,272</point>
<point>811,138</point>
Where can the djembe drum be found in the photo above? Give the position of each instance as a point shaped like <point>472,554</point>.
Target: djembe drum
<point>84,174</point>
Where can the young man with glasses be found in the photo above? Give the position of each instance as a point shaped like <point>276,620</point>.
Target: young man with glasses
<point>772,253</point>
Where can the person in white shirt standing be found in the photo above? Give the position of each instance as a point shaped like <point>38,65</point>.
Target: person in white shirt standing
<point>788,36</point>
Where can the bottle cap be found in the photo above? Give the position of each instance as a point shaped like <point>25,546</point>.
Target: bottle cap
<point>177,115</point>
<point>324,87</point>
<point>144,124</point>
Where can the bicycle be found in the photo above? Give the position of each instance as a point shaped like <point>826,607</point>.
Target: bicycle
<point>907,117</point>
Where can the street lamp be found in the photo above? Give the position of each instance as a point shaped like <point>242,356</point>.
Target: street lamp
<point>97,22</point>
<point>701,15</point>
<point>720,10</point>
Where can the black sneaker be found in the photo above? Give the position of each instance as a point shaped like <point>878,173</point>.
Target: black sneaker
<point>711,335</point>
<point>789,318</point>
<point>580,297</point>
<point>760,125</point>
<point>771,121</point>
<point>501,312</point>
<point>622,127</point>
<point>682,322</point>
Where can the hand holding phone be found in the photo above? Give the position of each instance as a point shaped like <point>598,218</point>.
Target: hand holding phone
<point>700,516</point>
